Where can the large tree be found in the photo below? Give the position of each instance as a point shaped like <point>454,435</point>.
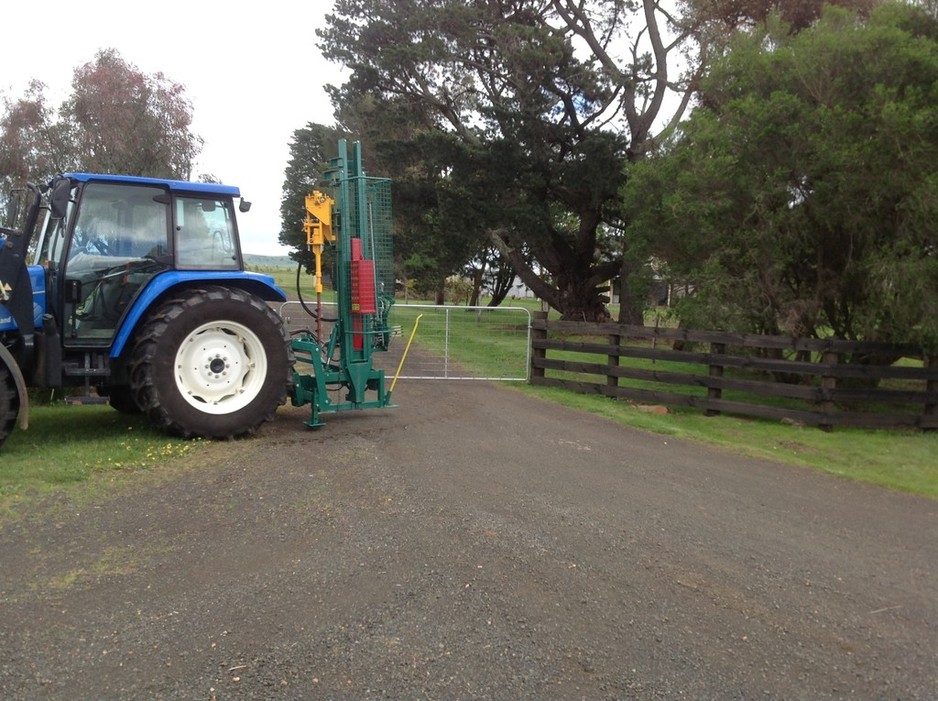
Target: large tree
<point>802,196</point>
<point>122,120</point>
<point>32,144</point>
<point>115,120</point>
<point>551,99</point>
<point>544,107</point>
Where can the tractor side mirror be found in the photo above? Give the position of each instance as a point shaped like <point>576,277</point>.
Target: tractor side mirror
<point>245,206</point>
<point>61,193</point>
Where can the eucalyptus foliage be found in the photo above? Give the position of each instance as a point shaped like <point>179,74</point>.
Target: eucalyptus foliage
<point>116,119</point>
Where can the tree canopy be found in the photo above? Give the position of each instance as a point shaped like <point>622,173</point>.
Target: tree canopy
<point>801,197</point>
<point>535,111</point>
<point>115,120</point>
<point>542,103</point>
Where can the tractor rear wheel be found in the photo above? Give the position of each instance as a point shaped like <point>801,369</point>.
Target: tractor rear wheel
<point>214,363</point>
<point>9,402</point>
<point>121,397</point>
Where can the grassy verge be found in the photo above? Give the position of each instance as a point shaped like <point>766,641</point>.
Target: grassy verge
<point>66,445</point>
<point>900,460</point>
<point>285,278</point>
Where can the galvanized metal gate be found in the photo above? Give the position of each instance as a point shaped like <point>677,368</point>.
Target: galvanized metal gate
<point>451,342</point>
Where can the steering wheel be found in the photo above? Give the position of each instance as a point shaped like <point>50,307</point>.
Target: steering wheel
<point>89,241</point>
<point>100,245</point>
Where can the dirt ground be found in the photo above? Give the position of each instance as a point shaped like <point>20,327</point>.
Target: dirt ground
<point>471,543</point>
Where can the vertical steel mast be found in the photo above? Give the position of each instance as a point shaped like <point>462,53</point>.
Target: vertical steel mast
<point>357,221</point>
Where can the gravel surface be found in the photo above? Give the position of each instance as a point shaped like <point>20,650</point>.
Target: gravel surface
<point>471,543</point>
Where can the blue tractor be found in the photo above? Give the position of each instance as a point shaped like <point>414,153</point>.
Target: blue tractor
<point>136,288</point>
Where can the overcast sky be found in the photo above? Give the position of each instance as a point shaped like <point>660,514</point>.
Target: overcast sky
<point>252,71</point>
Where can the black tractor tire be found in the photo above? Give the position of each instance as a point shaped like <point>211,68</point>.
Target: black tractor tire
<point>214,362</point>
<point>121,398</point>
<point>9,402</point>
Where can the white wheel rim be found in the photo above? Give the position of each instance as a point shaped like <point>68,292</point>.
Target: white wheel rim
<point>220,367</point>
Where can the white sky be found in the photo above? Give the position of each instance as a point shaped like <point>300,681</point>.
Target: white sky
<point>252,71</point>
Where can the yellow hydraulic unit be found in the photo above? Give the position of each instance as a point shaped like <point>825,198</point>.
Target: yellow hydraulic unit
<point>318,227</point>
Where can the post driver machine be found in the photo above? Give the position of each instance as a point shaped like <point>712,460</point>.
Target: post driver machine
<point>356,221</point>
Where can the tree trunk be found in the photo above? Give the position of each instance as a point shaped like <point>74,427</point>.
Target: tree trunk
<point>580,304</point>
<point>501,285</point>
<point>631,305</point>
<point>576,295</point>
<point>477,277</point>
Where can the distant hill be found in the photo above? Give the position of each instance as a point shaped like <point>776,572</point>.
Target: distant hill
<point>255,261</point>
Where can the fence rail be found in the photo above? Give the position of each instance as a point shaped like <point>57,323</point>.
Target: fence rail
<point>805,380</point>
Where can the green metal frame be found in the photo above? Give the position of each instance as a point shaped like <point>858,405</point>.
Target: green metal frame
<point>345,361</point>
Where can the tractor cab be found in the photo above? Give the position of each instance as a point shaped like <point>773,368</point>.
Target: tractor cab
<point>116,233</point>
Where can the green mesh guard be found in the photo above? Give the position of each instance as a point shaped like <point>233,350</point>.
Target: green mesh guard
<point>374,195</point>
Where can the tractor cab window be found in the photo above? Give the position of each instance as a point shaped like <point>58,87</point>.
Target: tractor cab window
<point>205,234</point>
<point>119,241</point>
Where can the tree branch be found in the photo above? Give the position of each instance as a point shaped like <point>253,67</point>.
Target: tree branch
<point>538,286</point>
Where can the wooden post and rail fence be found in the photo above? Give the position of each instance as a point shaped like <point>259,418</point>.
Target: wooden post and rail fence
<point>807,381</point>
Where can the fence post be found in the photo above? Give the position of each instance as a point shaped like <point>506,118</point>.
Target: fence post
<point>537,370</point>
<point>446,344</point>
<point>715,371</point>
<point>828,386</point>
<point>931,385</point>
<point>612,380</point>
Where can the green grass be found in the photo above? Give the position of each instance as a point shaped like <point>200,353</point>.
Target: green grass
<point>66,445</point>
<point>493,340</point>
<point>285,278</point>
<point>906,461</point>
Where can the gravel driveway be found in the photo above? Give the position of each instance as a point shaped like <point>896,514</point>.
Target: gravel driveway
<point>471,543</point>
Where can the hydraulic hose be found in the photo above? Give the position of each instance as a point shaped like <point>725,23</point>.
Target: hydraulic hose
<point>313,313</point>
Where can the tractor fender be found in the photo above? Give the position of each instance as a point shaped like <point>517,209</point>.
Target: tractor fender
<point>7,359</point>
<point>258,284</point>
